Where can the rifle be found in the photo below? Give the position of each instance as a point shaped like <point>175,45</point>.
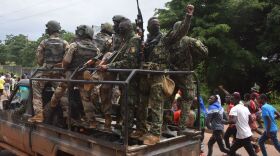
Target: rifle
<point>90,62</point>
<point>139,24</point>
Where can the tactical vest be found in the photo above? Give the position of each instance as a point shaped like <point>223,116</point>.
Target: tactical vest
<point>54,51</point>
<point>102,40</point>
<point>85,50</point>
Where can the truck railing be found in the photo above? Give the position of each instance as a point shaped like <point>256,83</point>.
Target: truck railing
<point>124,83</point>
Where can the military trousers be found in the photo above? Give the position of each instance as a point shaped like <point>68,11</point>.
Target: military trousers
<point>85,98</point>
<point>37,88</point>
<point>187,87</point>
<point>102,93</point>
<point>151,96</point>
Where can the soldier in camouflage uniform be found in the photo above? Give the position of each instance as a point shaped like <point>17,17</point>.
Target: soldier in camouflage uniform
<point>104,38</point>
<point>106,94</point>
<point>153,39</point>
<point>117,19</point>
<point>49,54</point>
<point>127,59</point>
<point>159,58</point>
<point>79,52</point>
<point>186,55</point>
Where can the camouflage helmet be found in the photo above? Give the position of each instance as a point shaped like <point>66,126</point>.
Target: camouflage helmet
<point>176,25</point>
<point>107,28</point>
<point>52,27</point>
<point>118,18</point>
<point>84,31</point>
<point>125,27</point>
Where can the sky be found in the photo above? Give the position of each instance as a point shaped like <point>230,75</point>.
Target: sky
<point>28,17</point>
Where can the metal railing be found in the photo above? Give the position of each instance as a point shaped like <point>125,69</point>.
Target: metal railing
<point>130,74</point>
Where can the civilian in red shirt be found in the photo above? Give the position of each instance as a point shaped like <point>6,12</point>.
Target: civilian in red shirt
<point>231,130</point>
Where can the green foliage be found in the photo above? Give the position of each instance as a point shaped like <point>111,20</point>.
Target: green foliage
<point>18,50</point>
<point>237,33</point>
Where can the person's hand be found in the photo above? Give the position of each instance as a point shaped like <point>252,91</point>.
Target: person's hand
<point>102,67</point>
<point>190,9</point>
<point>221,86</point>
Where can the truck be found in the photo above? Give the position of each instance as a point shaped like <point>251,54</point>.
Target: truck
<point>22,138</point>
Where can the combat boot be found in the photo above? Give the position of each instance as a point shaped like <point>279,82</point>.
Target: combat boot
<point>108,121</point>
<point>167,132</point>
<point>150,139</point>
<point>37,118</point>
<point>93,124</point>
<point>137,134</point>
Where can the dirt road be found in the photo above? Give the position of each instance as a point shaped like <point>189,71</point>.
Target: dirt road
<point>216,151</point>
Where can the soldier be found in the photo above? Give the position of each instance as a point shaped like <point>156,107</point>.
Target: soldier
<point>79,52</point>
<point>49,54</point>
<point>104,38</point>
<point>116,36</point>
<point>186,55</point>
<point>153,39</point>
<point>160,58</point>
<point>126,58</point>
<point>106,94</point>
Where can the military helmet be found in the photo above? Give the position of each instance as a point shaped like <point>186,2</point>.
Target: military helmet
<point>118,18</point>
<point>84,31</point>
<point>52,27</point>
<point>176,25</point>
<point>107,28</point>
<point>125,26</point>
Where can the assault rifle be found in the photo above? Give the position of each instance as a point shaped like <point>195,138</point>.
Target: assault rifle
<point>139,25</point>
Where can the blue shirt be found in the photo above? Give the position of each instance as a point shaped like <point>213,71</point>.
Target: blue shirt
<point>269,111</point>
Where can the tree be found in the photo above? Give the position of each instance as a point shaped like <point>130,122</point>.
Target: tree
<point>235,33</point>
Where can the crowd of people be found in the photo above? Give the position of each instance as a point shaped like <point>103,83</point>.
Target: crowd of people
<point>244,116</point>
<point>7,83</point>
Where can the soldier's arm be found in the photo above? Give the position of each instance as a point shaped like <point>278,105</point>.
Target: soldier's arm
<point>69,55</point>
<point>183,29</point>
<point>66,46</point>
<point>40,53</point>
<point>130,57</point>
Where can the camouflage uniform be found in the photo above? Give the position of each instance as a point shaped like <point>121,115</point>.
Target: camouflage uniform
<point>160,56</point>
<point>104,38</point>
<point>127,59</point>
<point>116,36</point>
<point>141,117</point>
<point>49,52</point>
<point>183,53</point>
<point>78,53</point>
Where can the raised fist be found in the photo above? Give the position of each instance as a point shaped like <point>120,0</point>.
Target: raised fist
<point>190,9</point>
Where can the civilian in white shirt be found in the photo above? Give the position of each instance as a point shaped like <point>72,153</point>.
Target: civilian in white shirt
<point>241,116</point>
